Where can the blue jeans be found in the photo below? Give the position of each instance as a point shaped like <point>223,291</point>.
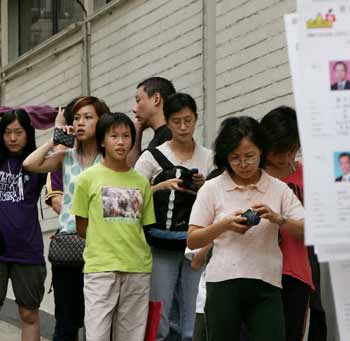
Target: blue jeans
<point>172,269</point>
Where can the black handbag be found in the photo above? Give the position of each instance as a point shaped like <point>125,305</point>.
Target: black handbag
<point>66,249</point>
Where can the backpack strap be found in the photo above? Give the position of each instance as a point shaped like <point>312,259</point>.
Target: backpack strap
<point>160,158</point>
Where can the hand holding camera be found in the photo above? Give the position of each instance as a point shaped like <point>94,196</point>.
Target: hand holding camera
<point>253,218</point>
<point>266,212</point>
<point>187,179</point>
<point>198,180</point>
<point>235,222</point>
<point>62,133</point>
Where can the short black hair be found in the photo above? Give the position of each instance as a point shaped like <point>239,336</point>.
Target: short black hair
<point>232,131</point>
<point>161,85</point>
<point>24,120</point>
<point>178,101</point>
<point>107,121</point>
<point>344,154</point>
<point>340,63</point>
<point>281,129</point>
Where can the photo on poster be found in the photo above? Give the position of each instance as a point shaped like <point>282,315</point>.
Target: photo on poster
<point>120,202</point>
<point>342,166</point>
<point>339,74</point>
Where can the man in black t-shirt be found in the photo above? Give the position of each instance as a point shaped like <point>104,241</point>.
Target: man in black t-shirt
<point>150,97</point>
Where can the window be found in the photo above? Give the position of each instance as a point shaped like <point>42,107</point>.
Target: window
<point>100,3</point>
<point>33,21</point>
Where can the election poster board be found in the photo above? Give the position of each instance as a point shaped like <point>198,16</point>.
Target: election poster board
<point>323,105</point>
<point>318,39</point>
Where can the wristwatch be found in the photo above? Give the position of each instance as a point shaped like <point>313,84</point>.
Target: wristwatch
<point>283,220</point>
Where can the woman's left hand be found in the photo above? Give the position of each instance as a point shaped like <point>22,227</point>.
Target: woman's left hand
<point>60,120</point>
<point>266,212</point>
<point>198,180</point>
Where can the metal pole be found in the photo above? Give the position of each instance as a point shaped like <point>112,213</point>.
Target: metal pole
<point>209,71</point>
<point>85,65</point>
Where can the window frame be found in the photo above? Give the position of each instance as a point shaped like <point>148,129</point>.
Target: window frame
<point>10,29</point>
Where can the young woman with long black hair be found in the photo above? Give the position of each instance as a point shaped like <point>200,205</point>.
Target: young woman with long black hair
<point>23,260</point>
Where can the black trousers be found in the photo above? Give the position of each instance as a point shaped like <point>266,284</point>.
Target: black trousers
<point>199,333</point>
<point>318,323</point>
<point>68,284</point>
<point>253,302</point>
<point>295,297</point>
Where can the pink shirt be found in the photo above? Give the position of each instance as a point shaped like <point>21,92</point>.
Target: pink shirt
<point>255,254</point>
<point>295,257</point>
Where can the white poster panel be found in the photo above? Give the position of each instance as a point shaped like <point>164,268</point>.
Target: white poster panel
<point>334,252</point>
<point>340,277</point>
<point>324,118</point>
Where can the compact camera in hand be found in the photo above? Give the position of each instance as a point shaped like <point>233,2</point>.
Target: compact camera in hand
<point>252,218</point>
<point>186,177</point>
<point>60,137</point>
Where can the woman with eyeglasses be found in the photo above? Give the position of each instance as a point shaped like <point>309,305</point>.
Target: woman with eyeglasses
<point>172,273</point>
<point>244,273</point>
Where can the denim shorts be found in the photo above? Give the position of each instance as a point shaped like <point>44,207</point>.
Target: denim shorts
<point>27,283</point>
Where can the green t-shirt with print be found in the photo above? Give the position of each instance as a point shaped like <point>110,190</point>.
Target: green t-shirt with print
<point>118,205</point>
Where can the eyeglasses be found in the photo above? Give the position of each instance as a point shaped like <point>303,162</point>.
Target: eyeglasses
<point>248,160</point>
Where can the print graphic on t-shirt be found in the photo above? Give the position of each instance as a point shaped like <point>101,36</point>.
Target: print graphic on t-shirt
<point>118,202</point>
<point>11,187</point>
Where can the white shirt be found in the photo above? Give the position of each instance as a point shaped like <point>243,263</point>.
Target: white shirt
<point>202,159</point>
<point>346,177</point>
<point>341,85</point>
<point>255,254</point>
<point>202,287</point>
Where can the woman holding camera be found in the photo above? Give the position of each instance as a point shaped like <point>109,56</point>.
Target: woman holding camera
<point>171,269</point>
<point>68,281</point>
<point>244,273</point>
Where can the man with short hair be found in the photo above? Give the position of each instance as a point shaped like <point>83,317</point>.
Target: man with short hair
<point>340,71</point>
<point>344,165</point>
<point>150,97</point>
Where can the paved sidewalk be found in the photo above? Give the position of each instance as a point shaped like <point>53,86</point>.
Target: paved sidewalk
<point>9,332</point>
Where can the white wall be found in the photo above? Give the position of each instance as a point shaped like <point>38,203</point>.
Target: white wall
<point>141,39</point>
<point>252,63</point>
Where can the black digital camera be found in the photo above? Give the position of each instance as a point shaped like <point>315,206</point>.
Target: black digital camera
<point>252,218</point>
<point>60,137</point>
<point>186,177</point>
